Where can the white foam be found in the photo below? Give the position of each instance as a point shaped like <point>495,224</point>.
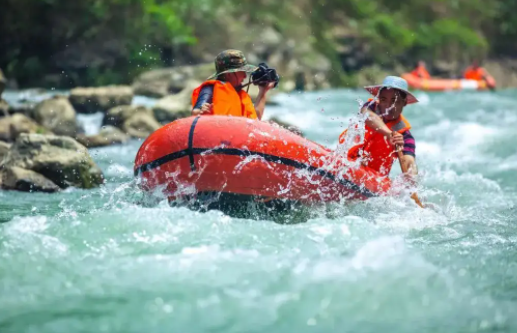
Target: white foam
<point>91,123</point>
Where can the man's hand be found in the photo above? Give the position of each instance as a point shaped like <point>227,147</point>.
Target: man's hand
<point>205,108</point>
<point>264,89</point>
<point>397,140</point>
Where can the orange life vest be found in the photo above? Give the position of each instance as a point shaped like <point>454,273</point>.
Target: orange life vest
<point>421,72</point>
<point>376,151</point>
<point>227,101</point>
<point>474,74</point>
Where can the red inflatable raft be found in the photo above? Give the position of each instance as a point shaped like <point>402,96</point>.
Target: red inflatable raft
<point>433,84</point>
<point>247,159</point>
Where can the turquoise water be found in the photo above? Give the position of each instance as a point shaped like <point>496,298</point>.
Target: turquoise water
<point>97,261</point>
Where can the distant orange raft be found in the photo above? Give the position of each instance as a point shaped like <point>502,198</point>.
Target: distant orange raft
<point>249,159</point>
<point>415,82</point>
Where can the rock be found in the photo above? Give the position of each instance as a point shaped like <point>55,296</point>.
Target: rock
<point>285,125</point>
<point>267,41</point>
<point>4,108</point>
<point>25,109</point>
<point>91,100</point>
<point>58,115</point>
<point>59,159</point>
<point>11,127</point>
<point>504,72</point>
<point>371,75</point>
<point>141,125</point>
<point>171,80</point>
<point>300,81</point>
<point>15,178</point>
<point>137,121</point>
<point>170,108</point>
<point>3,82</point>
<point>108,135</point>
<point>118,115</point>
<point>4,149</point>
<point>443,68</point>
<point>153,88</point>
<point>176,106</point>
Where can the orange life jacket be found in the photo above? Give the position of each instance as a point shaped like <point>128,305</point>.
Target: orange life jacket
<point>421,72</point>
<point>227,101</point>
<point>376,151</point>
<point>474,74</point>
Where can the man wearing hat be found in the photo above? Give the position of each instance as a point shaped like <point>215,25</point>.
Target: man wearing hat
<point>222,94</point>
<point>386,128</point>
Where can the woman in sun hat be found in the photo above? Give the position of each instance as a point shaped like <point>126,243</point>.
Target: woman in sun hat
<point>386,128</point>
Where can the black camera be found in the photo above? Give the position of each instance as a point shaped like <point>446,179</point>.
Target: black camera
<point>264,75</point>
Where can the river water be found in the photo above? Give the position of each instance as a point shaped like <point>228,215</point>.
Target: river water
<point>97,261</point>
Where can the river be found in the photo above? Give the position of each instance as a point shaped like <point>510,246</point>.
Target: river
<point>97,261</point>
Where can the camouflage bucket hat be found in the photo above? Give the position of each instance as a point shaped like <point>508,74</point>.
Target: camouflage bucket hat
<point>231,61</point>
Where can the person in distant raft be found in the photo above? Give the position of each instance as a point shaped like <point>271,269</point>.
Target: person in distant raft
<point>478,73</point>
<point>222,93</point>
<point>387,131</point>
<point>421,71</point>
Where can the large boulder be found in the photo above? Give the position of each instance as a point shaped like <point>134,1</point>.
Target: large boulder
<point>58,115</point>
<point>91,100</point>
<point>14,178</point>
<point>60,159</point>
<point>108,135</point>
<point>137,121</point>
<point>176,106</point>
<point>164,81</point>
<point>11,127</point>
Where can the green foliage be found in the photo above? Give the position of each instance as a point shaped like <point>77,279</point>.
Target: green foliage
<point>92,42</point>
<point>387,34</point>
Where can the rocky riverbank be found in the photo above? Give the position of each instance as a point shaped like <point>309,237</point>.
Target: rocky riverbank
<point>44,147</point>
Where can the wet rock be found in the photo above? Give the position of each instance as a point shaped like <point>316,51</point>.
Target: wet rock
<point>14,178</point>
<point>175,106</point>
<point>60,159</point>
<point>286,125</point>
<point>137,121</point>
<point>4,149</point>
<point>141,125</point>
<point>108,135</point>
<point>11,127</point>
<point>58,115</point>
<point>162,82</point>
<point>118,115</point>
<point>26,109</point>
<point>91,100</point>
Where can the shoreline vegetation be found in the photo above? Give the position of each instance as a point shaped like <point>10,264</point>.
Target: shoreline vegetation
<point>318,44</point>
